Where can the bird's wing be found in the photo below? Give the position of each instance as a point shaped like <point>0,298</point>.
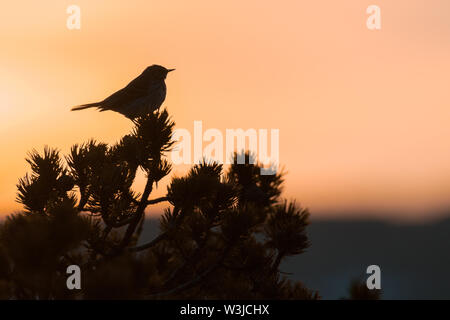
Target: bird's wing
<point>134,90</point>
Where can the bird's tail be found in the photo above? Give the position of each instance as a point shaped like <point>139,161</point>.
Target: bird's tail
<point>85,106</point>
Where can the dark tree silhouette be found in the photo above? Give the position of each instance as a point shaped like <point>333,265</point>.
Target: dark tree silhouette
<point>358,291</point>
<point>222,236</point>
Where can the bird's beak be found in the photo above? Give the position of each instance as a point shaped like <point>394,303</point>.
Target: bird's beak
<point>169,70</point>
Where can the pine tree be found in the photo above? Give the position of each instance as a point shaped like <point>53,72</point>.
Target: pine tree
<point>223,235</point>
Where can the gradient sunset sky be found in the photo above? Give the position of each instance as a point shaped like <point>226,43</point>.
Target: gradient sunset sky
<point>364,116</point>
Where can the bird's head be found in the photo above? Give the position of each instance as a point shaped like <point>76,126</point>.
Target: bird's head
<point>157,72</point>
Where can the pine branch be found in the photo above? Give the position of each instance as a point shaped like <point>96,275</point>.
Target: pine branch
<point>159,238</point>
<point>197,279</point>
<point>138,215</point>
<point>150,244</point>
<point>278,260</point>
<point>158,200</point>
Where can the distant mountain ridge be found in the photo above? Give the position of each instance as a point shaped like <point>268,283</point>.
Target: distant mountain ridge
<point>414,258</point>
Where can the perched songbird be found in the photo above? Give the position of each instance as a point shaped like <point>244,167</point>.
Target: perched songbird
<point>141,96</point>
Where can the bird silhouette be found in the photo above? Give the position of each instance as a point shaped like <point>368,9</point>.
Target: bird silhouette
<point>140,97</point>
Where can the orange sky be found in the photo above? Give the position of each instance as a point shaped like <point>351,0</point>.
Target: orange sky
<point>364,116</point>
